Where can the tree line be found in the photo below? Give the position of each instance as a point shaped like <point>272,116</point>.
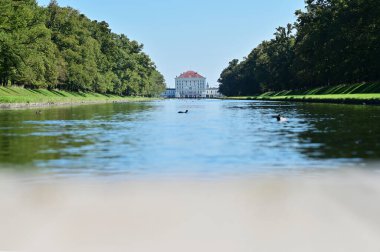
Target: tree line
<point>58,47</point>
<point>332,42</point>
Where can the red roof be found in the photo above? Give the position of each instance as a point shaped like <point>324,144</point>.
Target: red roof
<point>190,74</point>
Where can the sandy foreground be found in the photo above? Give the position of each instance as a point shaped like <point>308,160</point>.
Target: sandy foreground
<point>329,212</point>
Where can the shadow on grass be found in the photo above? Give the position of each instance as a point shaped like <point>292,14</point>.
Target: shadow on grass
<point>12,90</point>
<point>360,88</point>
<point>5,90</point>
<point>81,94</point>
<point>58,93</point>
<point>37,91</point>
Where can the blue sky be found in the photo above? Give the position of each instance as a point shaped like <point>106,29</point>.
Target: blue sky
<point>194,35</point>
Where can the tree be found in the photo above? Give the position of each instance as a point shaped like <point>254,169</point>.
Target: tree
<point>27,55</point>
<point>336,42</point>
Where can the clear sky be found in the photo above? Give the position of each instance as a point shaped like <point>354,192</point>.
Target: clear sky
<point>199,35</point>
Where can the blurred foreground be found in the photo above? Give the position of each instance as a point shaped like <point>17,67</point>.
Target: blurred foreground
<point>329,212</point>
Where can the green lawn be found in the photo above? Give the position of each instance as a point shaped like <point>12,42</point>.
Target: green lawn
<point>324,97</point>
<point>240,97</point>
<point>22,95</point>
<point>358,92</point>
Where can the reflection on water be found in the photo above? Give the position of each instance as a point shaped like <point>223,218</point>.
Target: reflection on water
<point>343,131</point>
<point>216,137</point>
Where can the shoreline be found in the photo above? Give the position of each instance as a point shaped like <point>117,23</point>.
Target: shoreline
<point>314,99</point>
<point>348,101</point>
<point>21,98</point>
<point>356,94</point>
<point>33,105</point>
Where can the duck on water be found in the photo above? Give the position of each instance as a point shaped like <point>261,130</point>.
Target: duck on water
<point>279,118</point>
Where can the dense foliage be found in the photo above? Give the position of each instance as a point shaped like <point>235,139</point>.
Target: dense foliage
<point>332,42</point>
<point>56,47</point>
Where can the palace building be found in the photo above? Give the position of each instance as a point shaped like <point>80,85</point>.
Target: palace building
<point>169,93</point>
<point>211,93</point>
<point>190,85</point>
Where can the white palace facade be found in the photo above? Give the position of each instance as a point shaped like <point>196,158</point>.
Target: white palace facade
<point>211,93</point>
<point>190,85</point>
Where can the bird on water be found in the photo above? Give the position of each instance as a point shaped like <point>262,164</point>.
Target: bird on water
<point>183,112</point>
<point>279,118</point>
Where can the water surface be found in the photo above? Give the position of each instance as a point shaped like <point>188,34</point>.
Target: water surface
<point>216,138</point>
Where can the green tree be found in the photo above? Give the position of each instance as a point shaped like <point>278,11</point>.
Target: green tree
<point>27,55</point>
<point>336,42</point>
<point>58,47</point>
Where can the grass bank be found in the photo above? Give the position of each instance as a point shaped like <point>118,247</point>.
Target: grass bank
<point>362,93</point>
<point>15,97</point>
